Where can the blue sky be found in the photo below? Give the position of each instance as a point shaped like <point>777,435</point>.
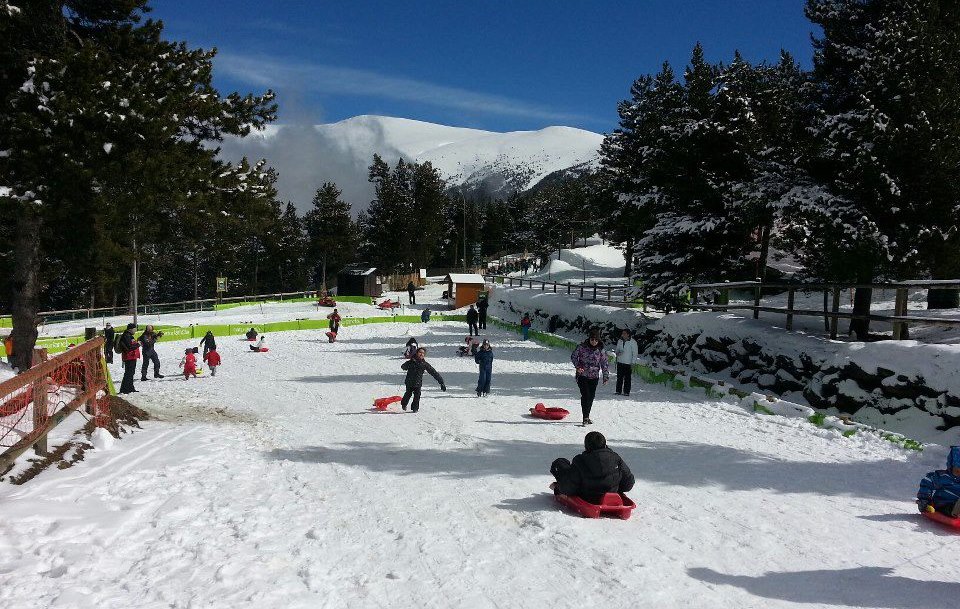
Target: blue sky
<point>499,64</point>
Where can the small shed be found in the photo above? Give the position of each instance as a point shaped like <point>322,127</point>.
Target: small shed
<point>463,288</point>
<point>359,279</point>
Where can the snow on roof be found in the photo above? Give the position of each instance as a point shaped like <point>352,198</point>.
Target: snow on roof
<point>465,278</point>
<point>356,269</point>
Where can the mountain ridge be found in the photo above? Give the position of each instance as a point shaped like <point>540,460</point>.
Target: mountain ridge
<point>477,161</point>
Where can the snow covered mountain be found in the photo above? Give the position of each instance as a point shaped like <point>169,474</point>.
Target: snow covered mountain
<point>480,161</point>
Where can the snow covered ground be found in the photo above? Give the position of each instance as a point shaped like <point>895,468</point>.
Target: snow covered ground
<point>274,485</point>
<point>595,263</point>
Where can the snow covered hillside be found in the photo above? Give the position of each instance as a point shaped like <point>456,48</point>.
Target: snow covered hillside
<point>495,163</point>
<point>273,484</point>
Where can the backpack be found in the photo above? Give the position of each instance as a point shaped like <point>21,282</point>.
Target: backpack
<point>117,347</point>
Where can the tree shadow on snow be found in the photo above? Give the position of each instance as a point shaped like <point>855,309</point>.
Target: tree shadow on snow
<point>856,587</point>
<point>686,464</point>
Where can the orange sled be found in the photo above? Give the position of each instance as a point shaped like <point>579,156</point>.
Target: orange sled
<point>617,505</point>
<point>552,414</point>
<point>382,403</point>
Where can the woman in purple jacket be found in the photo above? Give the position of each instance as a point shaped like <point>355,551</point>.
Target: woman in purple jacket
<point>590,361</point>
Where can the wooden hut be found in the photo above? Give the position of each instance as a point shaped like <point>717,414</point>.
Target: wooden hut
<point>463,288</point>
<point>358,279</point>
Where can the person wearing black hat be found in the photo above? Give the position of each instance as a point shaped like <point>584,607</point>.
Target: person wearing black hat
<point>109,334</point>
<point>594,472</point>
<point>129,354</point>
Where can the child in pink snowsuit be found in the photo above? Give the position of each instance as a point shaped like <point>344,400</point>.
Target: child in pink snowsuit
<point>189,364</point>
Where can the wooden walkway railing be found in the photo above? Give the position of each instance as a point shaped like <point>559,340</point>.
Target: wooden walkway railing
<point>831,293</point>
<point>615,294</point>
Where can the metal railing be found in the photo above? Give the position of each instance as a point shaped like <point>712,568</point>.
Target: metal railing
<point>831,312</point>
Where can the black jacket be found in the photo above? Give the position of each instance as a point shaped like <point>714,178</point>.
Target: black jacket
<point>482,305</point>
<point>127,341</point>
<point>472,316</point>
<point>594,473</point>
<point>411,288</point>
<point>147,341</point>
<point>109,334</point>
<point>209,342</point>
<point>415,369</point>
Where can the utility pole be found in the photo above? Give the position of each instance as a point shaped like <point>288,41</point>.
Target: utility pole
<point>135,282</point>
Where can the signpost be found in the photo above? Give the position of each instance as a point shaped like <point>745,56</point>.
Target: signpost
<point>221,287</point>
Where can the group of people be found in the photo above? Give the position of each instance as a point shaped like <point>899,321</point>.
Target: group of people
<point>477,317</point>
<point>131,349</point>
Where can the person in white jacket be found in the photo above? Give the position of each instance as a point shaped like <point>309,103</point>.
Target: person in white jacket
<point>626,358</point>
<point>260,343</point>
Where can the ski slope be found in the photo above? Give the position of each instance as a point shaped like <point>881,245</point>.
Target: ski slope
<point>274,485</point>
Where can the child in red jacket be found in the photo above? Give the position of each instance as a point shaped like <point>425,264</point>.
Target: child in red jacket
<point>213,360</point>
<point>189,364</point>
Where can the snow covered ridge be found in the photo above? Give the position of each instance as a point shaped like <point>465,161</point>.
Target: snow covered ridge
<point>495,163</point>
<point>903,386</point>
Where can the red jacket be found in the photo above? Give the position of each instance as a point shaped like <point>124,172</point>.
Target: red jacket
<point>212,358</point>
<point>189,363</point>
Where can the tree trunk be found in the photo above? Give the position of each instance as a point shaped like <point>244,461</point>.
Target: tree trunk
<point>764,252</point>
<point>25,285</point>
<point>861,306</point>
<point>628,258</point>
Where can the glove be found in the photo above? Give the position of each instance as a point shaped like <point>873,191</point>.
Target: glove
<point>443,387</point>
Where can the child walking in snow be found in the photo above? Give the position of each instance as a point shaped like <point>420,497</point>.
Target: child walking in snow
<point>414,381</point>
<point>213,360</point>
<point>189,364</point>
<point>525,324</point>
<point>484,359</point>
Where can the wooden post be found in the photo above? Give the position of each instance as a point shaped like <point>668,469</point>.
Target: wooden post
<point>581,291</point>
<point>790,294</point>
<point>594,292</point>
<point>757,291</point>
<point>608,294</point>
<point>835,320</point>
<point>568,288</point>
<point>900,310</point>
<point>554,287</point>
<point>543,286</point>
<point>693,296</point>
<point>40,414</point>
<point>826,318</point>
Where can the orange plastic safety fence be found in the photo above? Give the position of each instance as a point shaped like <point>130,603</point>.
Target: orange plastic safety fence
<point>74,379</point>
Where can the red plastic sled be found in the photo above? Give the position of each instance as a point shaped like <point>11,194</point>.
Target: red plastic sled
<point>331,336</point>
<point>616,505</point>
<point>326,302</point>
<point>382,403</point>
<point>953,523</point>
<point>552,414</point>
<point>388,305</point>
<point>264,349</point>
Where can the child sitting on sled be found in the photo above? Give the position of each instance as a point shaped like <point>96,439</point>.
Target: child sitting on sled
<point>470,348</point>
<point>594,472</point>
<point>940,489</point>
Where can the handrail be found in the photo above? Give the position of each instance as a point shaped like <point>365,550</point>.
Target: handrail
<point>819,287</point>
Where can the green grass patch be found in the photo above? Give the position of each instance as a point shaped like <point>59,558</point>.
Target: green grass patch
<point>849,433</point>
<point>758,407</point>
<point>817,418</point>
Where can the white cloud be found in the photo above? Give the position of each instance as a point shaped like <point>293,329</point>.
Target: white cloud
<point>328,79</point>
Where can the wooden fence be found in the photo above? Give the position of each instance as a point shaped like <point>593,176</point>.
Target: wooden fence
<point>613,294</point>
<point>831,312</point>
<point>37,400</point>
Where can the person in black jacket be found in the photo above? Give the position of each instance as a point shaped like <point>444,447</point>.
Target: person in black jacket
<point>472,317</point>
<point>482,305</point>
<point>148,341</point>
<point>415,368</point>
<point>109,334</point>
<point>593,473</point>
<point>412,291</point>
<point>209,343</point>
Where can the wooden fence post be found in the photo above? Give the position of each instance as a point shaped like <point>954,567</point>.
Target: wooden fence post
<point>568,288</point>
<point>826,318</point>
<point>790,294</point>
<point>757,291</point>
<point>900,310</point>
<point>581,291</point>
<point>693,297</point>
<point>608,294</point>
<point>594,292</point>
<point>835,320</point>
<point>40,414</point>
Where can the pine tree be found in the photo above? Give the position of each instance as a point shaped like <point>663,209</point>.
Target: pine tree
<point>332,238</point>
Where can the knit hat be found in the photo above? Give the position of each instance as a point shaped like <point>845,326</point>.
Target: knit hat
<point>953,457</point>
<point>131,326</point>
<point>594,441</point>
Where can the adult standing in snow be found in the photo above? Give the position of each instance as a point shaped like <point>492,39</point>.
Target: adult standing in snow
<point>148,341</point>
<point>472,318</point>
<point>940,489</point>
<point>482,305</point>
<point>208,342</point>
<point>334,321</point>
<point>412,292</point>
<point>415,368</point>
<point>590,362</point>
<point>109,335</point>
<point>594,472</point>
<point>129,354</point>
<point>484,359</point>
<point>626,358</point>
